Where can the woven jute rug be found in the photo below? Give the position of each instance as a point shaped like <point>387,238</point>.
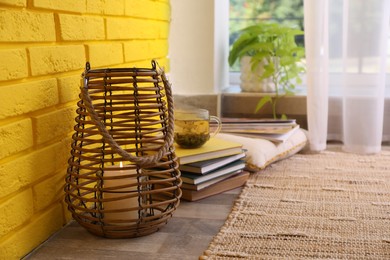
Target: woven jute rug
<point>331,205</point>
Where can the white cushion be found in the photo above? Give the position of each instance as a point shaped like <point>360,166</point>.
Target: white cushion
<point>261,152</point>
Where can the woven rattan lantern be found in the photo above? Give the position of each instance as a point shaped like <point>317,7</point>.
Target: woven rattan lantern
<point>123,179</point>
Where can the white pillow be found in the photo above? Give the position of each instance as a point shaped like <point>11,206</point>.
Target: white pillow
<point>261,152</point>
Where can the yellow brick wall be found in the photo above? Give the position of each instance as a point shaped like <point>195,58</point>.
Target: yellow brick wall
<point>44,45</point>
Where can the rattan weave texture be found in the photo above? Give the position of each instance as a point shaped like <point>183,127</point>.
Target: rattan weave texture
<point>123,178</point>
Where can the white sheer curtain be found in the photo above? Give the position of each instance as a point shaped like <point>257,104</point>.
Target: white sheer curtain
<point>346,43</point>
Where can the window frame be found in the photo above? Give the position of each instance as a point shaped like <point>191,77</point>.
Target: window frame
<point>234,76</point>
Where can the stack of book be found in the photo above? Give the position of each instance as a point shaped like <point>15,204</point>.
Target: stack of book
<point>275,130</point>
<point>215,167</point>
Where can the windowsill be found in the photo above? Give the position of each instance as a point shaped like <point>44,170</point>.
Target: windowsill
<point>235,103</point>
<point>235,89</point>
<point>232,102</point>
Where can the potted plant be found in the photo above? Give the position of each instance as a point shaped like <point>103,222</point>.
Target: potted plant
<point>271,61</point>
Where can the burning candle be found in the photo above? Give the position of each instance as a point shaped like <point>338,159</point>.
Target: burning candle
<point>114,193</point>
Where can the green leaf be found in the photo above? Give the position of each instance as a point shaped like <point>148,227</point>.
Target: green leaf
<point>269,70</point>
<point>283,116</point>
<point>275,44</point>
<point>264,100</point>
<point>236,51</point>
<point>289,92</point>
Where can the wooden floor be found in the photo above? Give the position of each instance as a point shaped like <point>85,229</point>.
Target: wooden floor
<point>185,236</point>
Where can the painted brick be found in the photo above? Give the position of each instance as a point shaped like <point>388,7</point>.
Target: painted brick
<point>54,125</point>
<point>15,137</point>
<point>136,50</point>
<point>23,26</point>
<point>112,7</point>
<point>163,11</point>
<point>48,191</point>
<point>52,40</point>
<point>16,68</point>
<point>63,5</point>
<point>67,214</point>
<point>23,241</point>
<point>163,30</point>
<point>20,3</point>
<point>159,49</point>
<point>78,28</point>
<point>105,54</point>
<point>155,10</point>
<point>140,64</point>
<point>26,170</point>
<point>139,50</point>
<point>53,59</point>
<point>164,64</point>
<point>23,98</point>
<point>15,211</point>
<point>69,88</point>
<point>146,63</point>
<point>129,28</point>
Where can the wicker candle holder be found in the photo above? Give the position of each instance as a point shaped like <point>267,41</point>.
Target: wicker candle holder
<point>123,179</point>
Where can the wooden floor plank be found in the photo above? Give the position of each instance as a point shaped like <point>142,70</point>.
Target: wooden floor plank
<point>186,236</point>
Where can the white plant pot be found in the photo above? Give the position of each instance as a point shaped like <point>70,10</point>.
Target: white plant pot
<point>250,80</point>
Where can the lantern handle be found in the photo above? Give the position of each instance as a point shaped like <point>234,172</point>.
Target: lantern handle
<point>140,160</point>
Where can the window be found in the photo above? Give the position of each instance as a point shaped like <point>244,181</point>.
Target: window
<point>244,13</point>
